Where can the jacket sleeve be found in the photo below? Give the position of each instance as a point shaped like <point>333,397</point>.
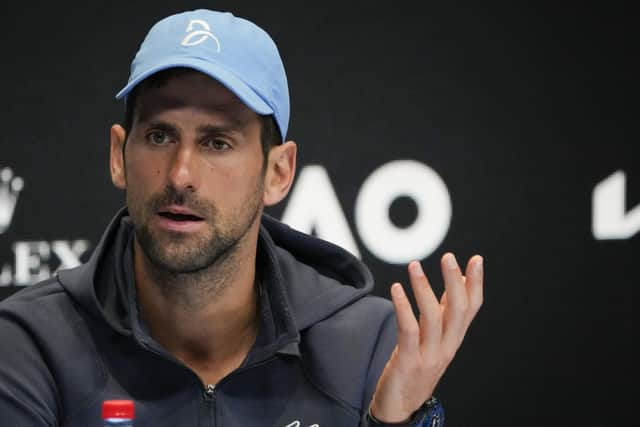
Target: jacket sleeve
<point>431,414</point>
<point>27,389</point>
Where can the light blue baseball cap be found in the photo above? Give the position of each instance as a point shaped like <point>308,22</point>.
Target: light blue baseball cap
<point>234,51</point>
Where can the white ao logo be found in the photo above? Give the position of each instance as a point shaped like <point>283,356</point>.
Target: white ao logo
<point>313,206</point>
<point>197,36</point>
<point>10,187</point>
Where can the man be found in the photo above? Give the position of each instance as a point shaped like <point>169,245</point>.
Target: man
<point>198,307</point>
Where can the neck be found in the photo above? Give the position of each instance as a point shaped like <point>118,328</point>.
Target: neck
<point>207,319</point>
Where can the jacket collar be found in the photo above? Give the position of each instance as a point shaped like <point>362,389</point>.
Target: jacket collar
<point>105,287</point>
<point>304,280</point>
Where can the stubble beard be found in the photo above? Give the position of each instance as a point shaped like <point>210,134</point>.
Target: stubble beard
<point>176,255</point>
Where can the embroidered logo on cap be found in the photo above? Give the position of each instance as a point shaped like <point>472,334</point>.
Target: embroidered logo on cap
<point>197,36</point>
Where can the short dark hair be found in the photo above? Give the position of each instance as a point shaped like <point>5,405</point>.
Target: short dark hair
<point>269,135</point>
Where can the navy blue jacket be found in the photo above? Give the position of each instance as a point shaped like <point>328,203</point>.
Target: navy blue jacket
<point>77,339</point>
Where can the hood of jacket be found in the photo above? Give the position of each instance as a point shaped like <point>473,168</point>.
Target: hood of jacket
<point>306,279</point>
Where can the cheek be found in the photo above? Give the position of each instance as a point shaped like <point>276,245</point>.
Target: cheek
<point>234,169</point>
<point>232,181</point>
<point>143,176</point>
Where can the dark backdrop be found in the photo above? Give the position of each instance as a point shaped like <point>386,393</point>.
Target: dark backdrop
<point>520,108</point>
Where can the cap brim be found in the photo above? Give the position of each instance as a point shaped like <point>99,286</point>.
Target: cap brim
<point>213,70</point>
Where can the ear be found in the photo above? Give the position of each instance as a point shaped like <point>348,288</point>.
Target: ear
<point>281,169</point>
<point>116,162</point>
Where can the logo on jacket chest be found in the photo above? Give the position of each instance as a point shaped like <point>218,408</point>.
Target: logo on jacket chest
<point>297,423</point>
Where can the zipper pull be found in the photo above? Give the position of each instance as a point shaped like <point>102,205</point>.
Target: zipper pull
<point>209,391</point>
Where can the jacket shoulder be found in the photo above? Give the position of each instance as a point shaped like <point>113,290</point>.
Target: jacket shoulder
<point>47,351</point>
<point>40,290</point>
<point>42,307</point>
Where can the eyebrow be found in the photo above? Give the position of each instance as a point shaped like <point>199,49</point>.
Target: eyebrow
<point>202,129</point>
<point>207,129</point>
<point>165,127</point>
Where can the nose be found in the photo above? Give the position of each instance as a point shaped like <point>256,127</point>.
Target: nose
<point>183,174</point>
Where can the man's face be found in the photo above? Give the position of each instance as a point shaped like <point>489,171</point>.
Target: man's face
<point>194,175</point>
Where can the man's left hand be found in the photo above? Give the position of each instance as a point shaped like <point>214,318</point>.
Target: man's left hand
<point>426,346</point>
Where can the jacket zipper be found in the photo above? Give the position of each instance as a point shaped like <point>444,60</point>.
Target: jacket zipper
<point>211,389</point>
<point>209,395</point>
<point>208,390</point>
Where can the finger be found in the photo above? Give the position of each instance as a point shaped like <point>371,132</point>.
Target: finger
<point>474,285</point>
<point>430,312</point>
<point>455,312</point>
<point>408,331</point>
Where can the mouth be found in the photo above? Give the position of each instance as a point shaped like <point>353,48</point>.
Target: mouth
<point>179,219</point>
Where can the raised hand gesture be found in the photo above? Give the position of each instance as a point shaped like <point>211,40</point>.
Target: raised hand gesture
<point>428,344</point>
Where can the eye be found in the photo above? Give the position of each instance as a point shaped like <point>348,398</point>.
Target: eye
<point>217,144</point>
<point>158,137</point>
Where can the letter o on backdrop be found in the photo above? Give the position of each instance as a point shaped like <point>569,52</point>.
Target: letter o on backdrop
<point>417,181</point>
